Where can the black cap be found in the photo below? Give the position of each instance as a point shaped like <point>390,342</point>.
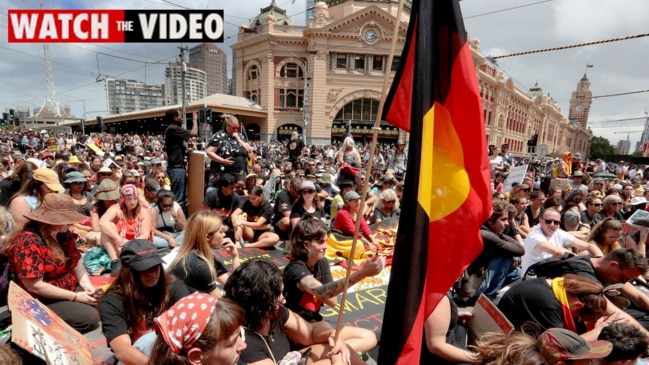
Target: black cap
<point>140,255</point>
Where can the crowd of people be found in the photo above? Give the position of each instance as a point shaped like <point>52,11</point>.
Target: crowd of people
<point>124,198</point>
<point>560,255</point>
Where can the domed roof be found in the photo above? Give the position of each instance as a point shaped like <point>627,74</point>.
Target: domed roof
<point>277,14</point>
<point>585,78</point>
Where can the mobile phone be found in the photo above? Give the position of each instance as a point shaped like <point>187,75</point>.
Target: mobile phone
<point>305,356</point>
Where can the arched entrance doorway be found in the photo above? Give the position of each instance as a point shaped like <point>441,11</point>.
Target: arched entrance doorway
<point>357,118</point>
<point>253,131</point>
<point>284,131</point>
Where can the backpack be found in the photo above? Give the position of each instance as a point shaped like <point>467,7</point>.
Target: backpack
<point>555,171</point>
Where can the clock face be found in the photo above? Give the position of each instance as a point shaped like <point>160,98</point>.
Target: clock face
<point>579,108</point>
<point>371,36</point>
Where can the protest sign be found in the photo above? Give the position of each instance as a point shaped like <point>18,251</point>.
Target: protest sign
<point>44,334</point>
<point>515,176</point>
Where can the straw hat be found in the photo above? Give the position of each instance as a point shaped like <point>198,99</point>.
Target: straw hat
<point>74,160</point>
<point>48,177</point>
<point>57,209</point>
<point>108,190</point>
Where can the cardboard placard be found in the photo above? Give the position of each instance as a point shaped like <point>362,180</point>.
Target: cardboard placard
<point>488,318</point>
<point>42,333</point>
<point>561,183</point>
<point>515,176</point>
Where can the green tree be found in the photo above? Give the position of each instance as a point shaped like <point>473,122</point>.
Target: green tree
<point>600,147</point>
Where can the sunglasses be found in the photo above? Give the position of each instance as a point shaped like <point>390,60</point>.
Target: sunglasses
<point>166,205</point>
<point>389,201</point>
<point>597,205</point>
<point>552,221</point>
<point>239,187</point>
<point>306,192</point>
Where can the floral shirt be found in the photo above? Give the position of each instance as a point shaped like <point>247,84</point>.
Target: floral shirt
<point>31,259</point>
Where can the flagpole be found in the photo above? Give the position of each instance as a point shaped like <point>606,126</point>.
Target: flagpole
<point>375,136</point>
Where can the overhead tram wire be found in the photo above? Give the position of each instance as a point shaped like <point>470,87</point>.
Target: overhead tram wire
<point>506,9</point>
<point>560,48</point>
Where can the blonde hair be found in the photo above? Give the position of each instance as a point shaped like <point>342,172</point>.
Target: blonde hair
<point>198,227</point>
<point>388,194</point>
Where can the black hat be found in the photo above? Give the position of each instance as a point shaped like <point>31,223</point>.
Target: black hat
<point>140,255</point>
<point>343,183</point>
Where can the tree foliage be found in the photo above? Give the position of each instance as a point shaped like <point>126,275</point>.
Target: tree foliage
<point>600,147</point>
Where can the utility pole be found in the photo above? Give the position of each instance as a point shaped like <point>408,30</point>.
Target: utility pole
<point>183,70</point>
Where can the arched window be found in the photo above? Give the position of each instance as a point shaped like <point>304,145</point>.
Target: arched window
<point>291,70</point>
<point>253,73</point>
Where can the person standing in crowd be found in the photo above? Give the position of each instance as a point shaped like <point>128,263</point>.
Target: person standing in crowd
<point>175,138</point>
<point>226,149</point>
<point>46,262</point>
<point>295,148</point>
<point>139,294</point>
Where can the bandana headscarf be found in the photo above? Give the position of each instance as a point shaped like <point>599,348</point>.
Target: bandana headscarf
<point>560,293</point>
<point>182,325</point>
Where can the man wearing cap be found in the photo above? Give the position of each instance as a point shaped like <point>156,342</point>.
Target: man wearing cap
<point>576,182</point>
<point>175,138</point>
<point>564,347</point>
<point>576,163</point>
<point>151,189</point>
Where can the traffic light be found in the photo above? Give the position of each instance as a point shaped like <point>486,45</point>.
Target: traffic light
<point>208,115</point>
<point>12,114</point>
<point>100,123</point>
<point>5,118</point>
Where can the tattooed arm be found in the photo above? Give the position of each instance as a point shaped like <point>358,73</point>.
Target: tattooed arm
<point>314,287</point>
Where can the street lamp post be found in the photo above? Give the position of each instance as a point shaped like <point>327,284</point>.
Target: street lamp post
<point>305,98</point>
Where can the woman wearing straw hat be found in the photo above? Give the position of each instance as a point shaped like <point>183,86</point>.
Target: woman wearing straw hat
<point>40,183</point>
<point>122,222</point>
<point>46,262</point>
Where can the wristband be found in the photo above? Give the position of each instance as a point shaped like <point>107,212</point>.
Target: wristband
<point>74,298</point>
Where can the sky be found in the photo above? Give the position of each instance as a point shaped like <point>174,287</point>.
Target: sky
<point>502,26</point>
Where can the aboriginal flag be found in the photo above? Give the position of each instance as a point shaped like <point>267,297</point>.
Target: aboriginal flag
<point>435,97</point>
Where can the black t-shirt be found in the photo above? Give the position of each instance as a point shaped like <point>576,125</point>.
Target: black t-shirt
<point>294,149</point>
<point>253,213</point>
<point>195,274</point>
<point>258,345</point>
<point>305,304</point>
<point>532,300</point>
<point>175,138</point>
<point>283,203</point>
<point>221,204</point>
<point>113,317</point>
<point>298,211</point>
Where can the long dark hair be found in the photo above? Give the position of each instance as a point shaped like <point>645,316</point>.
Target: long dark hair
<point>138,300</point>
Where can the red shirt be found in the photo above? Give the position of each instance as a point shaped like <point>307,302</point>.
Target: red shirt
<point>30,258</point>
<point>346,225</point>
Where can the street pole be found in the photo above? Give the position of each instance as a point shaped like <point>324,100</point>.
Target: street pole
<point>183,70</point>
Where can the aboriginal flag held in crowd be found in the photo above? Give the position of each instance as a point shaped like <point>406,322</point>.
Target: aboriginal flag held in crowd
<point>435,97</point>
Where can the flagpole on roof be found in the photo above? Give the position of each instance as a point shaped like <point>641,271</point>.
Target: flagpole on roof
<point>375,136</point>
